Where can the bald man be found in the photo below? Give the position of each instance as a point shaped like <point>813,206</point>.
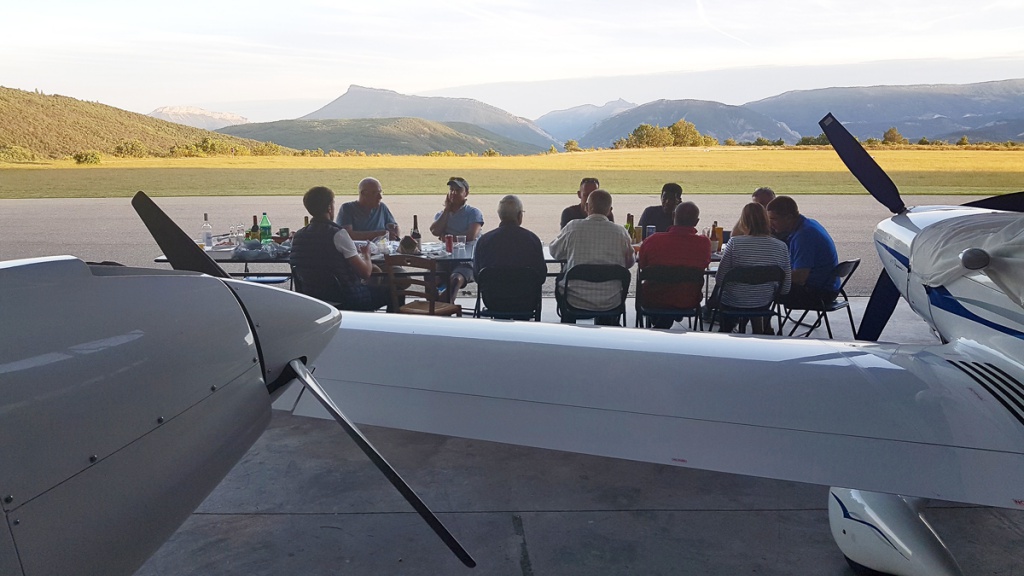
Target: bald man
<point>368,218</point>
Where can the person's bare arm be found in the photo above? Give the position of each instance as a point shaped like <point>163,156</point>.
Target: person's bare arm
<point>361,262</point>
<point>473,232</point>
<point>799,276</point>
<point>438,227</point>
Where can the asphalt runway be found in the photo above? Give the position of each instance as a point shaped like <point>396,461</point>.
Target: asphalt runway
<point>108,228</point>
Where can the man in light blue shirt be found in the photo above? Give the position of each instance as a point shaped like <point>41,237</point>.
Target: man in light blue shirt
<point>458,219</point>
<point>368,217</point>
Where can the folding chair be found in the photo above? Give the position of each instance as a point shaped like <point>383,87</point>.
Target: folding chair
<point>593,273</point>
<point>317,283</point>
<point>750,275</point>
<point>844,270</point>
<point>677,276</point>
<point>509,293</point>
<point>419,277</point>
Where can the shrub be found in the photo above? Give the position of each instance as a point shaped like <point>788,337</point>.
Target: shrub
<point>185,151</point>
<point>86,157</point>
<point>131,149</point>
<point>493,152</point>
<point>16,154</point>
<point>730,141</point>
<point>266,149</point>
<point>572,146</point>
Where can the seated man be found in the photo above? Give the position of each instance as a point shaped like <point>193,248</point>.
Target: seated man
<point>593,240</point>
<point>812,254</point>
<point>326,248</point>
<point>679,246</point>
<point>368,218</point>
<point>662,217</point>
<point>458,219</point>
<point>763,196</point>
<point>509,244</point>
<point>579,211</point>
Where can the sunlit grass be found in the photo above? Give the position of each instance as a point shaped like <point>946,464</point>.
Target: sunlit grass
<point>720,170</point>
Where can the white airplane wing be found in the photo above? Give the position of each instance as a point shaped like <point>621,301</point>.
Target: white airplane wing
<point>942,422</point>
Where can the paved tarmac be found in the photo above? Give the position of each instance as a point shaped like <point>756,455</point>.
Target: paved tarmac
<point>305,500</point>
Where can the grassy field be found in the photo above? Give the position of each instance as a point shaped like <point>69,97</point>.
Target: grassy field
<point>720,170</point>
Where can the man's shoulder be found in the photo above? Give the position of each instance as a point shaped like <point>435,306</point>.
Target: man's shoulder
<point>812,231</point>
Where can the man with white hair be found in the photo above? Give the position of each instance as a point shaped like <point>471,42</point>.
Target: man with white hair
<point>368,218</point>
<point>509,244</point>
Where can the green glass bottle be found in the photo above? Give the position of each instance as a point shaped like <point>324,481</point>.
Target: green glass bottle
<point>266,236</point>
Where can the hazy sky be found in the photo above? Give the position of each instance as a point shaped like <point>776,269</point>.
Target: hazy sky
<point>228,56</point>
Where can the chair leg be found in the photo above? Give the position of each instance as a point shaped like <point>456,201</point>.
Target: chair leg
<point>796,324</point>
<point>827,325</point>
<point>853,329</point>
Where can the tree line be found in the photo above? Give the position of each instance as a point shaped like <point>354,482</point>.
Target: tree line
<point>684,133</point>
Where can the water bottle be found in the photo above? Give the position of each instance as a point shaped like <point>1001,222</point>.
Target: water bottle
<point>207,231</point>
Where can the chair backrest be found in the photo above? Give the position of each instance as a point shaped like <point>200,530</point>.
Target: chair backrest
<point>317,283</point>
<point>601,273</point>
<point>754,275</point>
<point>844,270</point>
<point>505,290</point>
<point>668,275</point>
<point>418,279</point>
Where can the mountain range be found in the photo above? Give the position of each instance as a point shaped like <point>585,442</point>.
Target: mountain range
<point>361,102</point>
<point>197,117</point>
<point>986,111</point>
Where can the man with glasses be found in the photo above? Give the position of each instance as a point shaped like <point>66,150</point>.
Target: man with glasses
<point>662,217</point>
<point>579,211</point>
<point>458,218</point>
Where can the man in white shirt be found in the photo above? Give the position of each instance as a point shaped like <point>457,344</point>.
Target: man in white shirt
<point>593,240</point>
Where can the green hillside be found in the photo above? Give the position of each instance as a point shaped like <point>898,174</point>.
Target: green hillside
<point>59,126</point>
<point>381,135</point>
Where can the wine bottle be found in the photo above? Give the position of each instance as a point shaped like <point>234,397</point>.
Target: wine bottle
<point>415,233</point>
<point>207,231</point>
<point>629,227</point>
<point>306,221</point>
<point>266,236</point>
<point>254,232</point>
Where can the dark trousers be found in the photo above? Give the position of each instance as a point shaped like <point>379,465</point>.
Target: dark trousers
<point>804,297</point>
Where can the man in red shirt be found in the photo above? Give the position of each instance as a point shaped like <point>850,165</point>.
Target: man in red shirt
<point>680,246</point>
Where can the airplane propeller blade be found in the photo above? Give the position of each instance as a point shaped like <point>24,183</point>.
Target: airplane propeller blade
<point>182,252</point>
<point>862,165</point>
<point>1008,202</point>
<point>884,298</point>
<point>314,387</point>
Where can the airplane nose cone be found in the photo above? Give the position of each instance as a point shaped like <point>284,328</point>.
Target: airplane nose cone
<point>287,325</point>
<point>974,259</point>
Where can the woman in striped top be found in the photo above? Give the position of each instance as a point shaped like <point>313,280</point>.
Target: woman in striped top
<point>756,247</point>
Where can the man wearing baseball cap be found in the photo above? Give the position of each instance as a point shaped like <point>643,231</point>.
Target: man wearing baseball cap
<point>458,219</point>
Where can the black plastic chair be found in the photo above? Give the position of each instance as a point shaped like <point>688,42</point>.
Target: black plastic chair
<point>751,275</point>
<point>317,283</point>
<point>677,276</point>
<point>509,293</point>
<point>593,273</point>
<point>844,270</point>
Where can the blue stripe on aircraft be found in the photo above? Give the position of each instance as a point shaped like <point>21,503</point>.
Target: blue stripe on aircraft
<point>940,298</point>
<point>899,257</point>
<point>848,516</point>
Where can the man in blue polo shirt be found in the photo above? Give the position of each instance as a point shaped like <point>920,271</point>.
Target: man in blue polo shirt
<point>812,254</point>
<point>368,217</point>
